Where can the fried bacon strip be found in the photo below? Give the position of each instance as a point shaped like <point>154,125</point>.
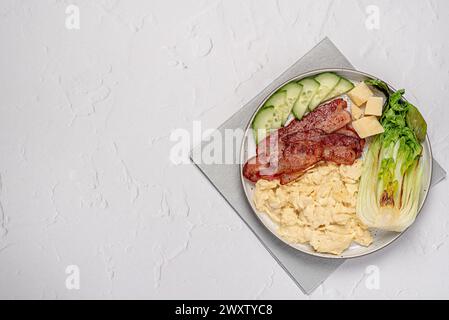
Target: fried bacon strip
<point>322,135</point>
<point>329,117</point>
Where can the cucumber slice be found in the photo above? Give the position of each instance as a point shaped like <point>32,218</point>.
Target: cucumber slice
<point>293,91</point>
<point>343,86</point>
<point>279,101</point>
<point>309,88</point>
<point>327,82</point>
<point>266,119</point>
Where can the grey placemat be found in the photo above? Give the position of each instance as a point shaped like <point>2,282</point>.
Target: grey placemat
<point>307,272</point>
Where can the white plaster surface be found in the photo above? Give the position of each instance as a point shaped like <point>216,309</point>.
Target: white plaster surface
<point>85,119</point>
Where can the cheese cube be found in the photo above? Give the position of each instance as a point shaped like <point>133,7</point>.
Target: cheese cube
<point>374,106</point>
<point>367,126</point>
<point>356,112</point>
<point>360,94</point>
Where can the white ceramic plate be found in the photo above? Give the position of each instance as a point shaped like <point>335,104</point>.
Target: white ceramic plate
<point>381,238</point>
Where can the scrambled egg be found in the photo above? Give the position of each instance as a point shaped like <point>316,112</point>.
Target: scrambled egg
<point>318,208</point>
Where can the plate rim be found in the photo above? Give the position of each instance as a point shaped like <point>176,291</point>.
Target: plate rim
<point>242,179</point>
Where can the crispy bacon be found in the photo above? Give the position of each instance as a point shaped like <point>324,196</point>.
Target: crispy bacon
<point>322,135</point>
<point>348,130</point>
<point>329,117</point>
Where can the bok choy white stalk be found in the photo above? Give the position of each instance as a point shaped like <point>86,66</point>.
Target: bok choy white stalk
<point>391,179</point>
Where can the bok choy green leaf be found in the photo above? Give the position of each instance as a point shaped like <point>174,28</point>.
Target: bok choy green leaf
<point>391,178</point>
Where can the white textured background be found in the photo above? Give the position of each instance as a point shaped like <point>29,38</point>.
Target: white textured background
<point>85,119</point>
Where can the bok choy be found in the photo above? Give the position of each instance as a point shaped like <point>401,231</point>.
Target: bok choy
<point>391,179</point>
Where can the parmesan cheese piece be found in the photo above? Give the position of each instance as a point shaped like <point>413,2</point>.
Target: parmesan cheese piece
<point>356,112</point>
<point>374,106</point>
<point>360,94</point>
<point>367,126</point>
